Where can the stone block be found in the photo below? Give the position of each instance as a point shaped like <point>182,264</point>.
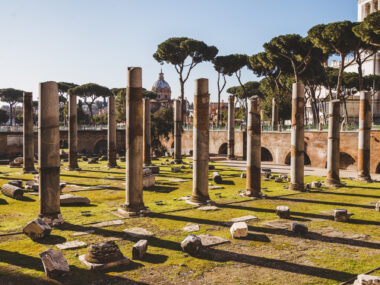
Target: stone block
<point>278,180</point>
<point>377,207</point>
<point>244,219</point>
<point>155,169</point>
<point>299,228</point>
<point>12,191</point>
<point>139,249</point>
<point>217,178</point>
<point>341,215</point>
<point>283,212</point>
<point>364,279</point>
<point>138,232</point>
<point>316,184</point>
<point>68,199</point>
<point>210,240</point>
<point>176,169</point>
<point>239,230</point>
<point>243,175</point>
<point>17,183</point>
<point>37,229</point>
<point>191,244</point>
<point>149,181</point>
<point>55,264</point>
<point>191,228</point>
<point>71,245</point>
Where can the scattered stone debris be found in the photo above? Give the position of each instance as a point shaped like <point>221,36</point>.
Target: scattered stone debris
<point>341,215</point>
<point>208,208</point>
<point>71,245</point>
<point>377,207</point>
<point>17,183</point>
<point>239,230</point>
<point>12,191</point>
<point>139,249</point>
<point>210,240</point>
<point>55,264</point>
<point>243,175</point>
<point>216,177</point>
<point>215,187</point>
<point>92,160</point>
<point>191,244</point>
<point>104,255</point>
<point>69,199</point>
<point>37,229</point>
<point>278,180</point>
<point>307,187</point>
<point>176,169</point>
<point>155,169</point>
<point>283,212</point>
<point>138,232</point>
<point>108,224</point>
<point>316,184</point>
<point>244,219</point>
<point>149,179</point>
<point>363,279</point>
<point>266,179</point>
<point>191,228</point>
<point>299,228</point>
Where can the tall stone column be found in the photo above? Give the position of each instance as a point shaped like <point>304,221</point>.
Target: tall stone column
<point>147,125</point>
<point>365,122</point>
<point>201,142</point>
<point>254,148</point>
<point>111,133</point>
<point>48,153</point>
<point>333,144</point>
<point>274,114</point>
<point>231,127</point>
<point>134,204</point>
<point>297,138</point>
<point>73,133</point>
<point>28,145</point>
<point>177,131</point>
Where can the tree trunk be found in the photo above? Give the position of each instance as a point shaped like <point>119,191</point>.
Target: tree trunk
<point>360,71</point>
<point>218,119</point>
<point>340,76</point>
<point>314,109</point>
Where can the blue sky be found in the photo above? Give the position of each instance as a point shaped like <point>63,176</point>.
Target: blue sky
<point>85,41</point>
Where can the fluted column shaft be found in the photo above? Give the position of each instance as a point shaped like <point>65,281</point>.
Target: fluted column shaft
<point>73,133</point>
<point>28,144</point>
<point>231,127</point>
<point>111,140</point>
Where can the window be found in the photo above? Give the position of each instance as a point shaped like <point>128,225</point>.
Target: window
<point>375,5</point>
<point>367,9</point>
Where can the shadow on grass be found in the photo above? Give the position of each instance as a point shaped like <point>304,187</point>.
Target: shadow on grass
<point>227,182</point>
<point>26,199</point>
<point>51,240</point>
<point>348,194</point>
<point>155,258</point>
<point>161,189</point>
<point>78,205</point>
<point>224,256</point>
<point>77,275</point>
<point>3,202</point>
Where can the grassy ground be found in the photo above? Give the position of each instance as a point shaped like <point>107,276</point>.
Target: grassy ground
<point>330,253</point>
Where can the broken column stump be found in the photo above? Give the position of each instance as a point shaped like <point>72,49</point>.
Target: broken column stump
<point>55,264</point>
<point>283,212</point>
<point>37,229</point>
<point>239,230</point>
<point>217,178</point>
<point>341,215</point>
<point>12,191</point>
<point>139,249</point>
<point>299,228</point>
<point>191,244</point>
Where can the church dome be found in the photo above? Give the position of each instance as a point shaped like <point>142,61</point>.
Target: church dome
<point>162,88</point>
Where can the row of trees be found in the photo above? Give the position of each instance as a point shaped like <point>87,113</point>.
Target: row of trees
<point>286,59</point>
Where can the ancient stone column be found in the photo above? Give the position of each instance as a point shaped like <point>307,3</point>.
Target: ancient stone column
<point>253,182</point>
<point>147,140</point>
<point>333,144</point>
<point>134,204</point>
<point>73,133</point>
<point>48,153</point>
<point>365,122</point>
<point>231,127</point>
<point>200,142</point>
<point>28,145</point>
<point>274,114</point>
<point>297,138</point>
<point>177,130</point>
<point>111,133</point>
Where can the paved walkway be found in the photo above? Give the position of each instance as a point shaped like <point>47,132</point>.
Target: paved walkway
<point>285,169</point>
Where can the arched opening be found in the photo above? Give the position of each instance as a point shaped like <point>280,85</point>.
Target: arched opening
<point>223,149</point>
<point>378,169</point>
<point>306,159</point>
<point>101,147</point>
<point>346,161</point>
<point>266,155</point>
<point>172,145</point>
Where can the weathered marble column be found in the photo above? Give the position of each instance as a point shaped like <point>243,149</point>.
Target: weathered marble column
<point>201,142</point>
<point>231,127</point>
<point>274,114</point>
<point>333,144</point>
<point>297,138</point>
<point>147,139</point>
<point>48,153</point>
<point>28,145</point>
<point>177,131</point>
<point>253,182</point>
<point>111,133</point>
<point>365,122</point>
<point>134,204</point>
<point>73,133</point>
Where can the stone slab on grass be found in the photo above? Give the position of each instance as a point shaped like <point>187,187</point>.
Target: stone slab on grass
<point>215,187</point>
<point>208,208</point>
<point>102,266</point>
<point>69,199</point>
<point>55,264</point>
<point>191,228</point>
<point>71,245</point>
<point>278,224</point>
<point>210,240</point>
<point>107,224</point>
<point>83,233</point>
<point>138,232</point>
<point>244,219</point>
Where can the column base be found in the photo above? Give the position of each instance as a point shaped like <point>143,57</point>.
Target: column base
<point>178,161</point>
<point>199,200</point>
<point>297,187</point>
<point>52,220</point>
<point>127,211</point>
<point>75,169</point>
<point>113,166</point>
<point>253,194</point>
<point>25,171</point>
<point>333,183</point>
<point>364,177</point>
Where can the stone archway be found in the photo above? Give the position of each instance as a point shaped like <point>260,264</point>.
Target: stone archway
<point>223,149</point>
<point>101,146</point>
<point>378,168</point>
<point>266,154</point>
<point>307,160</point>
<point>346,161</point>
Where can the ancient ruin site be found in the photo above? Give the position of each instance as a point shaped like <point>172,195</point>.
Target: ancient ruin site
<point>253,158</point>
